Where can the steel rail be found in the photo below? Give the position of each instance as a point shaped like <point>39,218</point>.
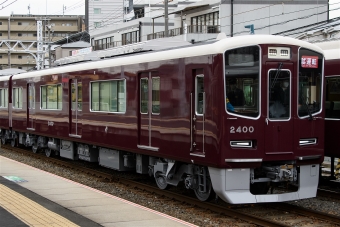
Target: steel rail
<point>193,201</point>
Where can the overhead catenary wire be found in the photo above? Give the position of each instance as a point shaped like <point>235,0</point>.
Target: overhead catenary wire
<point>8,4</point>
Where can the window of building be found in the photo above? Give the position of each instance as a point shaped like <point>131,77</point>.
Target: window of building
<point>17,98</point>
<point>130,37</point>
<point>97,10</point>
<point>97,24</point>
<point>0,34</point>
<point>0,23</point>
<point>207,23</point>
<point>4,98</point>
<point>0,56</point>
<point>19,34</point>
<point>19,57</point>
<point>35,34</point>
<point>69,24</point>
<point>19,23</point>
<point>51,97</point>
<point>108,96</point>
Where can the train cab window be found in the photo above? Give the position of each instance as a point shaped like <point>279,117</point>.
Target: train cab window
<point>108,96</point>
<point>77,95</point>
<point>242,70</point>
<point>199,98</point>
<point>4,98</point>
<point>155,95</point>
<point>279,94</point>
<point>310,83</point>
<point>17,98</point>
<point>51,97</point>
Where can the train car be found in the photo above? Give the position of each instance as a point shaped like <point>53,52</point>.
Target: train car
<point>233,116</point>
<point>4,109</point>
<point>332,99</point>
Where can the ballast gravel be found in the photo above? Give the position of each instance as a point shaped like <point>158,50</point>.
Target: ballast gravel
<point>173,208</point>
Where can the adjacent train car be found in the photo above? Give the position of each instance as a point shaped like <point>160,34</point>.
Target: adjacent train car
<point>234,116</point>
<point>332,99</point>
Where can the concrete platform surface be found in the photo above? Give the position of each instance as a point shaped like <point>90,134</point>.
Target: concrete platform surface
<point>32,197</point>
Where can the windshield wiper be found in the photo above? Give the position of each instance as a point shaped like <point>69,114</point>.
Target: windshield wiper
<point>278,71</point>
<point>304,101</point>
<point>277,75</point>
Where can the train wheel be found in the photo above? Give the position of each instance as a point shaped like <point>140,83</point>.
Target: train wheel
<point>13,142</point>
<point>3,140</point>
<point>48,152</point>
<point>34,148</point>
<point>161,182</point>
<point>207,195</point>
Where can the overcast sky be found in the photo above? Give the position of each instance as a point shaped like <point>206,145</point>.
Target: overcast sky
<point>42,7</point>
<point>76,7</point>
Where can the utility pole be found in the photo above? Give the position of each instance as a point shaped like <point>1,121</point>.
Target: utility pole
<point>64,8</point>
<point>49,45</point>
<point>166,32</point>
<point>40,52</point>
<point>9,37</point>
<point>29,9</point>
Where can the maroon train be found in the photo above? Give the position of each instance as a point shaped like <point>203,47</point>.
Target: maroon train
<point>332,99</point>
<point>234,116</point>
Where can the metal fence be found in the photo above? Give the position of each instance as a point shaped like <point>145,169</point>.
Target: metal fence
<point>189,29</point>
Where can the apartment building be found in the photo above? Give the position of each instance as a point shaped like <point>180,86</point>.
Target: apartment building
<point>24,28</point>
<point>203,20</point>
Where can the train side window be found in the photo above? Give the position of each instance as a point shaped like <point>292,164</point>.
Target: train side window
<point>80,96</point>
<point>199,99</point>
<point>155,95</point>
<point>31,96</point>
<point>51,97</point>
<point>332,103</point>
<point>108,96</point>
<point>4,98</point>
<point>144,95</point>
<point>17,98</point>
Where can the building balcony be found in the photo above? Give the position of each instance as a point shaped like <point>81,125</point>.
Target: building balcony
<point>112,44</point>
<point>65,28</point>
<point>22,28</point>
<point>198,29</point>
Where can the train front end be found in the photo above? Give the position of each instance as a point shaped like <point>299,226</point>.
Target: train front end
<point>273,125</point>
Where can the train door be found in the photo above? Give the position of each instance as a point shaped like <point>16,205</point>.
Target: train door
<point>149,111</point>
<point>197,99</point>
<point>30,106</point>
<point>75,107</point>
<point>279,123</point>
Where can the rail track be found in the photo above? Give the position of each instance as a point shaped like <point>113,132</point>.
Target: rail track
<point>273,214</point>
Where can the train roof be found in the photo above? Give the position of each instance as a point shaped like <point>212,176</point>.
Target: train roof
<point>217,47</point>
<point>331,49</point>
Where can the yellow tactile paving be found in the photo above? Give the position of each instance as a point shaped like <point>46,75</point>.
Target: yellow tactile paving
<point>30,212</point>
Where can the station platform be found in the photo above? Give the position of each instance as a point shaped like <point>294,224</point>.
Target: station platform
<point>32,197</point>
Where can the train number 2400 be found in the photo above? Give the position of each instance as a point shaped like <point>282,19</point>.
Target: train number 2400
<point>241,129</point>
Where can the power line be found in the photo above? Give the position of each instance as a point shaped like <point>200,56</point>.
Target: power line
<point>8,4</point>
<point>3,2</point>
